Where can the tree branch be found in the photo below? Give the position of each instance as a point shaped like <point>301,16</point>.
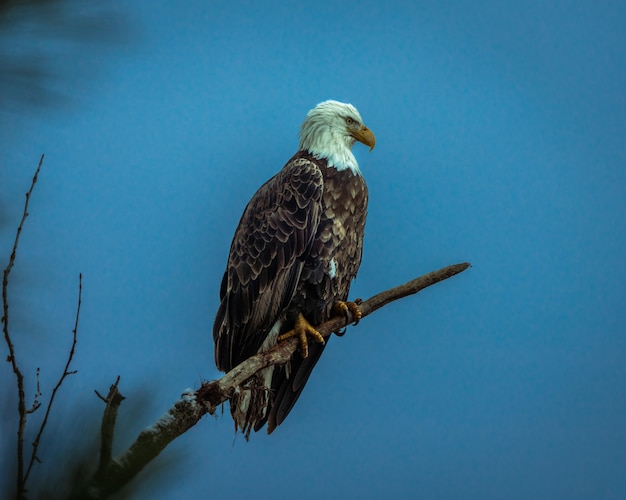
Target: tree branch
<point>22,472</point>
<point>66,372</point>
<point>21,403</point>
<point>114,473</point>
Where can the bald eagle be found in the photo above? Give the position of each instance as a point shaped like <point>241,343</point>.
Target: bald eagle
<point>294,254</point>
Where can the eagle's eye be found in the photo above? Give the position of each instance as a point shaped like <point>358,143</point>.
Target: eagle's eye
<point>349,121</point>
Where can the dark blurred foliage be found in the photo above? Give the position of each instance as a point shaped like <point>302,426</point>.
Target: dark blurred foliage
<point>50,54</point>
<point>69,451</point>
<point>39,37</point>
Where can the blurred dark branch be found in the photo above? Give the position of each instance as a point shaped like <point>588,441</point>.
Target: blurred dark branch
<point>21,403</point>
<point>107,429</point>
<point>113,473</point>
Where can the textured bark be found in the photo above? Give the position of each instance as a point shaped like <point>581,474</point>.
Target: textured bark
<point>113,473</point>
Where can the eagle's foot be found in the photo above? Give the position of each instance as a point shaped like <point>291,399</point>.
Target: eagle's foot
<point>349,309</point>
<point>301,329</point>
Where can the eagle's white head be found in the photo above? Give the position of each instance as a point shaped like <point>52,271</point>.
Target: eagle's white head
<point>330,130</point>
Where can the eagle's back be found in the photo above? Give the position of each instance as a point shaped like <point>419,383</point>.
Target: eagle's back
<point>270,245</point>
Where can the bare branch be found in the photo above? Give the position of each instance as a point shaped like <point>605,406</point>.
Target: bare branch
<point>222,388</point>
<point>65,373</point>
<point>112,474</point>
<point>21,404</point>
<point>23,412</point>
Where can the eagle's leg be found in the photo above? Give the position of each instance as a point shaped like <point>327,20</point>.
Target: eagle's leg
<point>301,329</point>
<point>349,309</point>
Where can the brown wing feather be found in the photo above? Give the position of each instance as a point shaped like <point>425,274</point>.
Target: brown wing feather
<point>266,258</point>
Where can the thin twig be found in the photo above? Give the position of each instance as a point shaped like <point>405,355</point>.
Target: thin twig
<point>21,404</point>
<point>66,372</point>
<point>36,402</point>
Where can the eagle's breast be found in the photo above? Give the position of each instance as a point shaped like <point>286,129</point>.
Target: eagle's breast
<point>336,252</point>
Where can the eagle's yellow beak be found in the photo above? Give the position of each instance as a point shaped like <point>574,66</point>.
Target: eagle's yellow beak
<point>365,136</point>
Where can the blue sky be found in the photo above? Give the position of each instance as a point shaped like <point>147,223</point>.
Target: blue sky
<point>500,141</point>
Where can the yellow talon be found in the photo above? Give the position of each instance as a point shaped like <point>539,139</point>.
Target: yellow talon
<point>349,309</point>
<point>301,329</point>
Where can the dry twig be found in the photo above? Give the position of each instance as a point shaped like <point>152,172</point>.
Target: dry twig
<point>66,372</point>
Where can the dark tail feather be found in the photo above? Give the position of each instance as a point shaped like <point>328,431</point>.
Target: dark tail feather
<point>288,390</point>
